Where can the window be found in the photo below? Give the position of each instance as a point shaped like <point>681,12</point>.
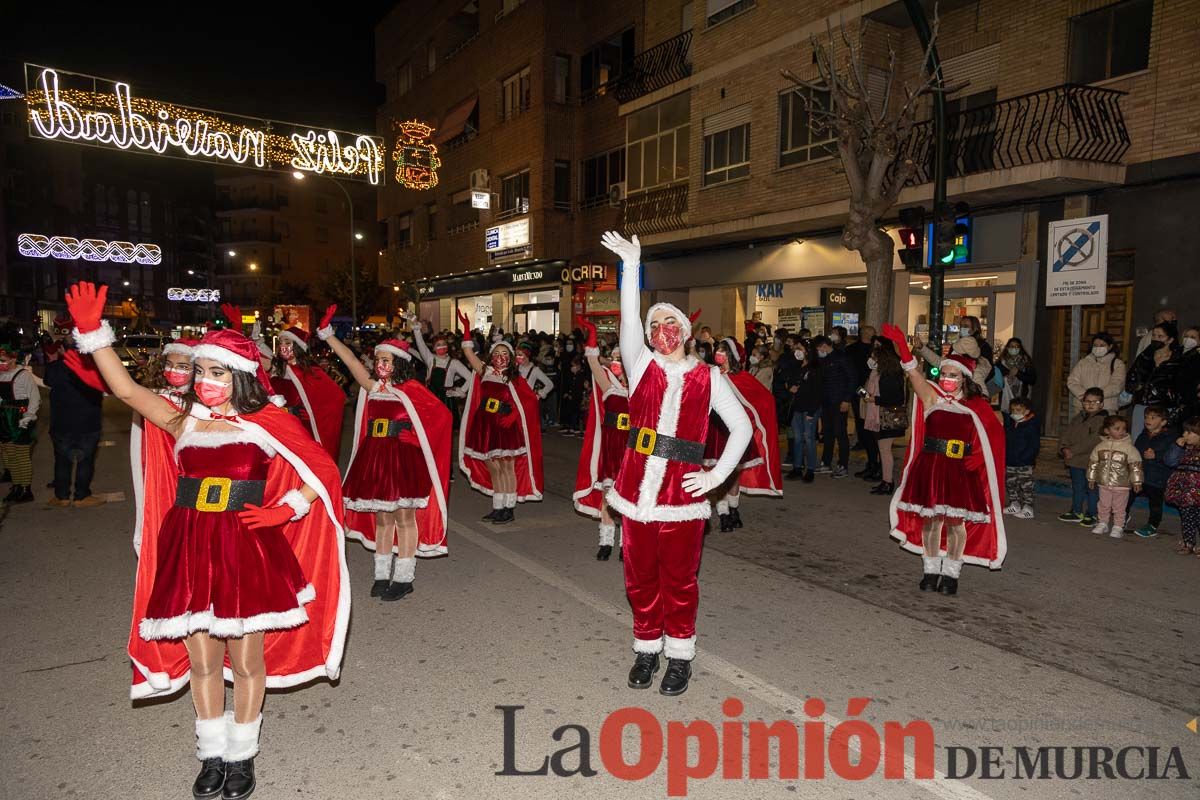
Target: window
<point>322,235</point>
<point>597,174</point>
<point>685,18</point>
<point>514,194</point>
<point>403,237</point>
<point>562,78</point>
<point>101,204</point>
<point>131,210</point>
<point>404,79</point>
<point>147,221</point>
<point>803,137</point>
<point>322,205</point>
<point>515,94</point>
<point>431,211</point>
<point>1110,42</point>
<point>462,216</point>
<point>605,62</point>
<point>656,149</point>
<point>562,185</point>
<point>721,10</point>
<point>727,155</point>
<point>431,56</point>
<point>112,214</point>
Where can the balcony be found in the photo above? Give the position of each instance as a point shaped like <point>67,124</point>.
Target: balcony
<point>655,211</point>
<point>660,66</point>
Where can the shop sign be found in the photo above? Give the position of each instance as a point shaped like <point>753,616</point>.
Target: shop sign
<point>481,200</point>
<point>507,236</point>
<point>791,318</point>
<point>767,291</point>
<point>510,253</point>
<point>836,297</point>
<point>1078,255</point>
<point>529,276</point>
<point>585,272</point>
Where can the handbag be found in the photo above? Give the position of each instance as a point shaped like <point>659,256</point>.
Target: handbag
<point>893,418</point>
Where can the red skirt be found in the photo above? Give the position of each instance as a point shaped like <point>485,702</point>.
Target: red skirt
<point>936,485</point>
<point>217,575</point>
<point>387,473</point>
<point>495,434</point>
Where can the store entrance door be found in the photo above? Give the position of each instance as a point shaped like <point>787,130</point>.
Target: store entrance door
<point>995,308</point>
<point>535,317</point>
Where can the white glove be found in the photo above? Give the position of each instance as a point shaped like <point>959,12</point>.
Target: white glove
<point>630,252</point>
<point>25,422</point>
<point>698,484</point>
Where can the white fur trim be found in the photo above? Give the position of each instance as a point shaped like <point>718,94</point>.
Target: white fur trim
<point>723,506</point>
<point>733,499</point>
<point>932,565</point>
<point>510,500</point>
<point>178,349</point>
<point>375,506</point>
<point>535,495</point>
<point>909,365</point>
<point>243,739</point>
<point>608,533</point>
<point>225,357</point>
<point>495,453</point>
<point>657,513</point>
<point>680,648</point>
<point>227,627</point>
<point>951,567</point>
<point>295,340</point>
<point>405,570</point>
<point>648,645</point>
<point>194,438</point>
<point>95,340</point>
<point>290,374</point>
<point>945,511</point>
<point>498,501</point>
<point>396,351</point>
<point>591,352</point>
<point>325,333</point>
<point>383,566</point>
<point>210,738</point>
<point>277,400</point>
<point>468,343</point>
<point>298,502</point>
<point>685,324</point>
<point>511,351</point>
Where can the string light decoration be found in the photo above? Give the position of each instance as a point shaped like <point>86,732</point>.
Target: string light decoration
<point>416,155</point>
<point>195,295</point>
<point>118,119</point>
<point>7,93</point>
<point>34,245</point>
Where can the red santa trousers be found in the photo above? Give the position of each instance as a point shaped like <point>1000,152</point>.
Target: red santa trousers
<point>661,562</point>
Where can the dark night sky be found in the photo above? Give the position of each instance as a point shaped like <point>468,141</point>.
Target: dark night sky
<point>296,62</point>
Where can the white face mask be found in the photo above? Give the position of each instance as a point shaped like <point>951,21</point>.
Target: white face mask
<point>754,359</point>
<point>1099,351</point>
<point>872,363</point>
<point>1190,343</point>
<point>1017,417</point>
<point>835,338</point>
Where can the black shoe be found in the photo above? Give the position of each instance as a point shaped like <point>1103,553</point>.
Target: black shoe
<point>378,587</point>
<point>503,516</point>
<point>883,487</point>
<point>20,494</point>
<point>874,473</point>
<point>491,515</point>
<point>735,518</point>
<point>6,477</point>
<point>808,476</point>
<point>621,553</point>
<point>929,583</point>
<point>210,780</point>
<point>795,474</point>
<point>726,524</point>
<point>949,586</point>
<point>604,552</point>
<point>239,780</point>
<point>675,679</point>
<point>865,473</point>
<point>642,672</point>
<point>395,591</point>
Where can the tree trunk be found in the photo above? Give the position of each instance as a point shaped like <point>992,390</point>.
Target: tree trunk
<point>876,249</point>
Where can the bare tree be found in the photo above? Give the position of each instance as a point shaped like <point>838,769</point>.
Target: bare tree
<point>407,266</point>
<point>871,133</point>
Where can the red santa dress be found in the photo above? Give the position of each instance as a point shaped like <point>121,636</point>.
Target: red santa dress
<point>604,440</point>
<point>502,419</point>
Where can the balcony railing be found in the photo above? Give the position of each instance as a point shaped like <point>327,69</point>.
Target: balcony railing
<point>1082,123</point>
<point>656,210</point>
<point>655,68</point>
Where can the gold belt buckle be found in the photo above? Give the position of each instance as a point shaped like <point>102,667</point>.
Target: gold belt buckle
<point>379,428</point>
<point>955,448</point>
<point>622,421</point>
<point>225,486</point>
<point>491,405</point>
<point>646,438</point>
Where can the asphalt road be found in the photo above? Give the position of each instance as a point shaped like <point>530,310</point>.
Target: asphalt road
<point>1078,642</point>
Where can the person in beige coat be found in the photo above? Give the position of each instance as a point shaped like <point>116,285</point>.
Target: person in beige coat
<point>1100,367</point>
<point>967,346</point>
<point>1115,465</point>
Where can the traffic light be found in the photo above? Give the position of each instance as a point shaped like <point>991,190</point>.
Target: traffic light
<point>950,231</point>
<point>912,237</point>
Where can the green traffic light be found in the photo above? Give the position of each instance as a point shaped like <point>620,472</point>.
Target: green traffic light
<point>948,258</point>
<point>934,371</point>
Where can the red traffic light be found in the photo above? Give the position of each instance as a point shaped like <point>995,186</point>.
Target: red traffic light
<point>910,237</point>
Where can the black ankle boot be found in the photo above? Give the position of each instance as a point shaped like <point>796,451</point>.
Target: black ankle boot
<point>239,780</point>
<point>726,523</point>
<point>808,476</point>
<point>642,672</point>
<point>949,586</point>
<point>735,518</point>
<point>604,553</point>
<point>378,587</point>
<point>794,475</point>
<point>503,516</point>
<point>25,495</point>
<point>675,679</point>
<point>491,515</point>
<point>211,779</point>
<point>395,591</point>
<point>929,583</point>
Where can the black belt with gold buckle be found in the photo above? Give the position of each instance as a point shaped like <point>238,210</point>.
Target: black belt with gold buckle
<point>494,406</point>
<point>650,442</point>
<point>951,448</point>
<point>616,419</point>
<point>385,428</point>
<point>218,494</point>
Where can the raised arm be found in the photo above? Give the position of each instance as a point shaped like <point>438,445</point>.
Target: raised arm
<point>468,344</point>
<point>94,336</point>
<point>344,353</point>
<point>634,352</point>
<point>591,351</point>
<point>419,335</point>
<point>920,386</point>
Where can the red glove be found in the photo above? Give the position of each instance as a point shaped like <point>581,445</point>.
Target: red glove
<point>85,369</point>
<point>261,517</point>
<point>86,305</point>
<point>896,337</point>
<point>465,322</point>
<point>234,315</point>
<point>590,330</point>
<point>328,318</point>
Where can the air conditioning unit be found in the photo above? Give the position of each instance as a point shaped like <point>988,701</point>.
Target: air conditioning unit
<point>616,193</point>
<point>480,180</point>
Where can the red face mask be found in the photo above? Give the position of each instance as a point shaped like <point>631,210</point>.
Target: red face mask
<point>666,338</point>
<point>522,359</point>
<point>950,385</point>
<point>616,368</point>
<point>177,376</point>
<point>441,349</point>
<point>721,358</point>
<point>287,352</point>
<point>500,360</point>
<point>384,369</point>
<point>5,366</point>
<point>213,393</point>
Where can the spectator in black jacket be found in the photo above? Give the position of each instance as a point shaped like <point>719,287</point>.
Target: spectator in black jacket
<point>802,385</point>
<point>574,386</point>
<point>859,352</point>
<point>75,431</point>
<point>838,390</point>
<point>886,416</point>
<point>1152,380</point>
<point>1022,440</point>
<point>785,369</point>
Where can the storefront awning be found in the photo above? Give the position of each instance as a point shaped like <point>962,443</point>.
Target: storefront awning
<point>455,121</point>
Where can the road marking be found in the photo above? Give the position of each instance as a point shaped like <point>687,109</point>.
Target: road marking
<point>747,681</point>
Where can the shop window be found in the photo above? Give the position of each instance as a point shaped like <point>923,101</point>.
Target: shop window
<point>431,211</point>
<point>1110,42</point>
<point>597,174</point>
<point>727,155</point>
<point>462,216</point>
<point>605,63</point>
<point>515,94</point>
<point>562,78</point>
<point>721,10</point>
<point>803,136</point>
<point>562,185</point>
<point>657,143</point>
<point>514,195</point>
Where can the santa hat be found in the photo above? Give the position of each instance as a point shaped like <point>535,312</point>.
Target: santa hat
<point>396,347</point>
<point>183,347</point>
<point>297,336</point>
<point>501,343</point>
<point>63,322</point>
<point>960,362</point>
<point>233,350</point>
<point>685,322</point>
<point>735,347</point>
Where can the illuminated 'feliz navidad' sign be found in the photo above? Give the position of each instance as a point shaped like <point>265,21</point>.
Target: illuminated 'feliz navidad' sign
<point>104,113</point>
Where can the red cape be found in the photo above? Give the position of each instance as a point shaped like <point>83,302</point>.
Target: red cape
<point>763,475</point>
<point>325,402</point>
<point>986,541</point>
<point>528,466</point>
<point>432,423</point>
<point>589,495</point>
<point>295,656</point>
<point>147,438</point>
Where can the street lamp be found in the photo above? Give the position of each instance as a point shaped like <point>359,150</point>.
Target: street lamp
<point>253,266</point>
<point>354,236</point>
<point>232,253</point>
<point>358,236</point>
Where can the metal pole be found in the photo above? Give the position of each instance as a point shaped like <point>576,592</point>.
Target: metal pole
<point>353,268</point>
<point>937,272</point>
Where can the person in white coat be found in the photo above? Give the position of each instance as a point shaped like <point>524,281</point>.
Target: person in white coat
<point>1101,368</point>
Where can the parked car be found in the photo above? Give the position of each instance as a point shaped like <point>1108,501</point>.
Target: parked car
<point>136,349</point>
